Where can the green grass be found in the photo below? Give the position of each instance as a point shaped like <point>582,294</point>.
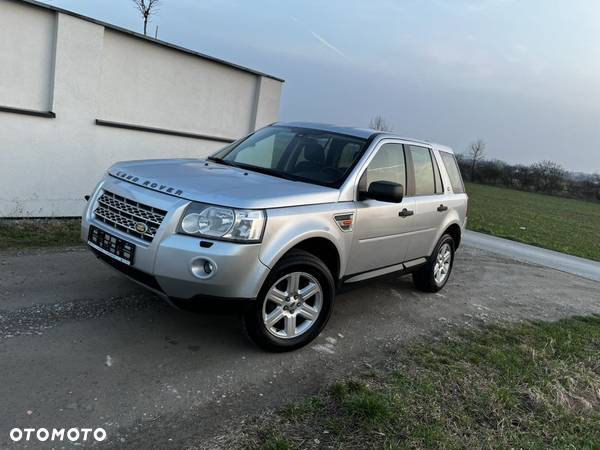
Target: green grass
<point>17,234</point>
<point>518,386</point>
<point>565,225</point>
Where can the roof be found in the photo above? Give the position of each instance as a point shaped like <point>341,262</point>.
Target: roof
<point>149,39</point>
<point>364,133</point>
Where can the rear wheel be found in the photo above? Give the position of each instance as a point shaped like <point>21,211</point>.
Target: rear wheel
<point>294,303</point>
<point>434,275</point>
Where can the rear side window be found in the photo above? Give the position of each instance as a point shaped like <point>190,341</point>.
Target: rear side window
<point>424,174</point>
<point>453,172</point>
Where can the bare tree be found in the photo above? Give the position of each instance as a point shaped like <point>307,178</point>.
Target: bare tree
<point>596,184</point>
<point>147,9</point>
<point>545,176</point>
<point>549,176</point>
<point>461,158</point>
<point>379,123</point>
<point>476,154</point>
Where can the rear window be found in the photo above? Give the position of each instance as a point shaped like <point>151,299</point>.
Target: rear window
<point>453,172</point>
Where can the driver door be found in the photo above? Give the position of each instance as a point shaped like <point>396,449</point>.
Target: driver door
<point>381,230</point>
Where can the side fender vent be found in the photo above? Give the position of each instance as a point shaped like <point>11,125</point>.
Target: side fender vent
<point>345,221</point>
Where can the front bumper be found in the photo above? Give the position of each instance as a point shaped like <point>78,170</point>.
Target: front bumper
<point>163,265</point>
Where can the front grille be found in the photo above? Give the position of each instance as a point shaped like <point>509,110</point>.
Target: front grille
<point>129,216</point>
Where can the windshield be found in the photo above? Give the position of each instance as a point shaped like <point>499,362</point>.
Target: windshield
<point>301,154</point>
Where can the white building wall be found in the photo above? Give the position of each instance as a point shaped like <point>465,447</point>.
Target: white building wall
<point>26,56</point>
<point>267,102</point>
<point>178,104</point>
<point>203,92</point>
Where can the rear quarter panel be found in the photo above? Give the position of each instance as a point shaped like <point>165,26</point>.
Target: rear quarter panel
<point>456,202</point>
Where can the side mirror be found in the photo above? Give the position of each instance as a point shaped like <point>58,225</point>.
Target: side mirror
<point>386,191</point>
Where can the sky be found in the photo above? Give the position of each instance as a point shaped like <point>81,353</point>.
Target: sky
<point>523,75</point>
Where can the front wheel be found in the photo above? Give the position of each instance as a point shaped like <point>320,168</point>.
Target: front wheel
<point>294,303</point>
<point>434,275</point>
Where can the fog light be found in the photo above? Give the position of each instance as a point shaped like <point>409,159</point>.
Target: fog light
<point>203,268</point>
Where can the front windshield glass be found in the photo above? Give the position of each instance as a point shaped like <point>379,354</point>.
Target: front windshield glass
<point>302,154</point>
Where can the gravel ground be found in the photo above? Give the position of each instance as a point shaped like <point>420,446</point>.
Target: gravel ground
<point>81,346</point>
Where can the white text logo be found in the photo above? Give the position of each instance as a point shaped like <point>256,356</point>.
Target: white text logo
<point>57,434</point>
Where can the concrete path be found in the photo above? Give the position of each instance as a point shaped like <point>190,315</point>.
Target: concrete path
<point>534,255</point>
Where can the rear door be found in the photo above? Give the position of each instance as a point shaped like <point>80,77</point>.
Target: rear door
<point>430,201</point>
<point>381,233</point>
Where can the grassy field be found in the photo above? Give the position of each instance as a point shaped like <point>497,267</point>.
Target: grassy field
<point>519,386</point>
<point>565,225</point>
<point>15,234</point>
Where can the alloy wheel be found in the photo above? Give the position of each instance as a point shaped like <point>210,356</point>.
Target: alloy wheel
<point>442,264</point>
<point>292,305</point>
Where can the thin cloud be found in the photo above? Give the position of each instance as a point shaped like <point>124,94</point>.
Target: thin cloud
<point>327,44</point>
<point>321,39</point>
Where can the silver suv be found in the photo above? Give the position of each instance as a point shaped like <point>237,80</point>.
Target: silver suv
<point>279,220</point>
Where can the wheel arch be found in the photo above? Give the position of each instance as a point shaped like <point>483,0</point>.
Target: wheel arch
<point>323,249</point>
<point>455,232</point>
<point>319,245</point>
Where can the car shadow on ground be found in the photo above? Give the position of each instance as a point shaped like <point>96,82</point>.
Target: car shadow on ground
<point>143,331</point>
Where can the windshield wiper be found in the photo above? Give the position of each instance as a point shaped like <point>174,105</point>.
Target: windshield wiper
<point>224,162</point>
<point>252,168</point>
<point>273,172</point>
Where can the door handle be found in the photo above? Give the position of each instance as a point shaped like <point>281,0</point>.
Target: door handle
<point>405,213</point>
<point>442,208</point>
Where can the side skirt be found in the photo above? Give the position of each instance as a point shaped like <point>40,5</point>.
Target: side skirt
<point>406,267</point>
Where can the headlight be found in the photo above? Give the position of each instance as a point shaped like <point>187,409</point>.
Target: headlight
<point>245,225</point>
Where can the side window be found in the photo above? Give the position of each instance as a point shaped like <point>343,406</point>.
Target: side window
<point>387,165</point>
<point>424,174</point>
<point>453,172</point>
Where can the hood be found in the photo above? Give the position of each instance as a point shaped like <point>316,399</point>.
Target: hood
<point>210,182</point>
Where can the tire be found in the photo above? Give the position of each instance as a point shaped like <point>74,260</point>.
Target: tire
<point>427,278</point>
<point>274,300</point>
